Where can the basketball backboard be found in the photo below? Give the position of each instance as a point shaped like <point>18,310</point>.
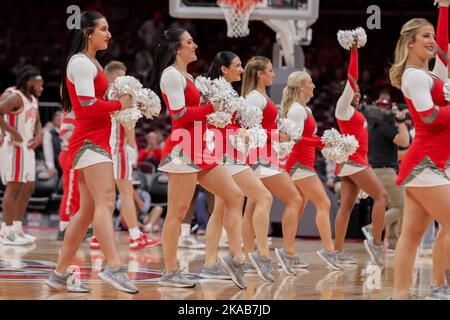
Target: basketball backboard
<point>290,19</point>
<point>306,10</point>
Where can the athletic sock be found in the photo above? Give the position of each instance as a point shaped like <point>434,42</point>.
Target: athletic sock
<point>185,230</point>
<point>17,226</point>
<point>134,233</point>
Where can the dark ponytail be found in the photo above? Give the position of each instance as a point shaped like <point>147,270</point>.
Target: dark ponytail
<point>76,41</point>
<point>222,59</point>
<point>166,53</point>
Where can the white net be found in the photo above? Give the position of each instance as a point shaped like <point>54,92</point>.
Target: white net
<point>237,20</point>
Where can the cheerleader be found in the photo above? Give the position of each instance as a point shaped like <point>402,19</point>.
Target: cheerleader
<point>84,87</point>
<point>300,163</point>
<point>356,173</point>
<point>422,170</point>
<point>19,119</point>
<point>227,64</point>
<point>258,74</point>
<point>186,160</point>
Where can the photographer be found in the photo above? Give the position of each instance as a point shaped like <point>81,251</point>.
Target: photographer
<point>387,132</point>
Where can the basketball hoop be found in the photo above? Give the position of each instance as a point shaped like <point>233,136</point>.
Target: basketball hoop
<point>237,14</point>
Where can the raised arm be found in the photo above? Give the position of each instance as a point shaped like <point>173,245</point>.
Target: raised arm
<point>173,86</point>
<point>344,109</point>
<point>441,64</point>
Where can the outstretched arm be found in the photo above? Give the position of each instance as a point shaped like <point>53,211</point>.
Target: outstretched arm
<point>344,109</point>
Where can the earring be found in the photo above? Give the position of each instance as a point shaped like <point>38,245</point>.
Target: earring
<point>90,37</point>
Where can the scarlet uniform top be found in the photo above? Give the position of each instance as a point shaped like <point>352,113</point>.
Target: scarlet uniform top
<point>185,149</point>
<point>304,151</point>
<point>87,86</point>
<point>269,124</point>
<point>350,120</point>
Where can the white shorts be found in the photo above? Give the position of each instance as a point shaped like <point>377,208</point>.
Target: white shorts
<point>262,171</point>
<point>17,164</point>
<point>350,168</point>
<point>123,163</point>
<point>429,178</point>
<point>234,169</point>
<point>301,173</point>
<point>89,158</point>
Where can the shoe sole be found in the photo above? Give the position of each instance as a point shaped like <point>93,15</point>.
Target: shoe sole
<point>258,271</point>
<point>331,265</point>
<point>64,287</point>
<point>115,284</point>
<point>283,266</point>
<point>298,266</point>
<point>55,285</point>
<point>232,274</point>
<point>213,277</point>
<point>437,298</point>
<point>175,285</point>
<point>143,247</point>
<point>372,257</point>
<point>153,244</point>
<point>14,244</point>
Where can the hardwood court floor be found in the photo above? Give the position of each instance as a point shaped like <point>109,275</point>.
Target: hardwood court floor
<point>23,270</point>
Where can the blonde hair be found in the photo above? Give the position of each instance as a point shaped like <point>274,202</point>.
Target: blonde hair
<point>250,77</point>
<point>114,65</point>
<point>407,36</point>
<point>291,92</point>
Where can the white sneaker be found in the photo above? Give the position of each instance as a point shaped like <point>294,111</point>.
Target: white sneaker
<point>25,236</point>
<point>191,243</point>
<point>12,239</point>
